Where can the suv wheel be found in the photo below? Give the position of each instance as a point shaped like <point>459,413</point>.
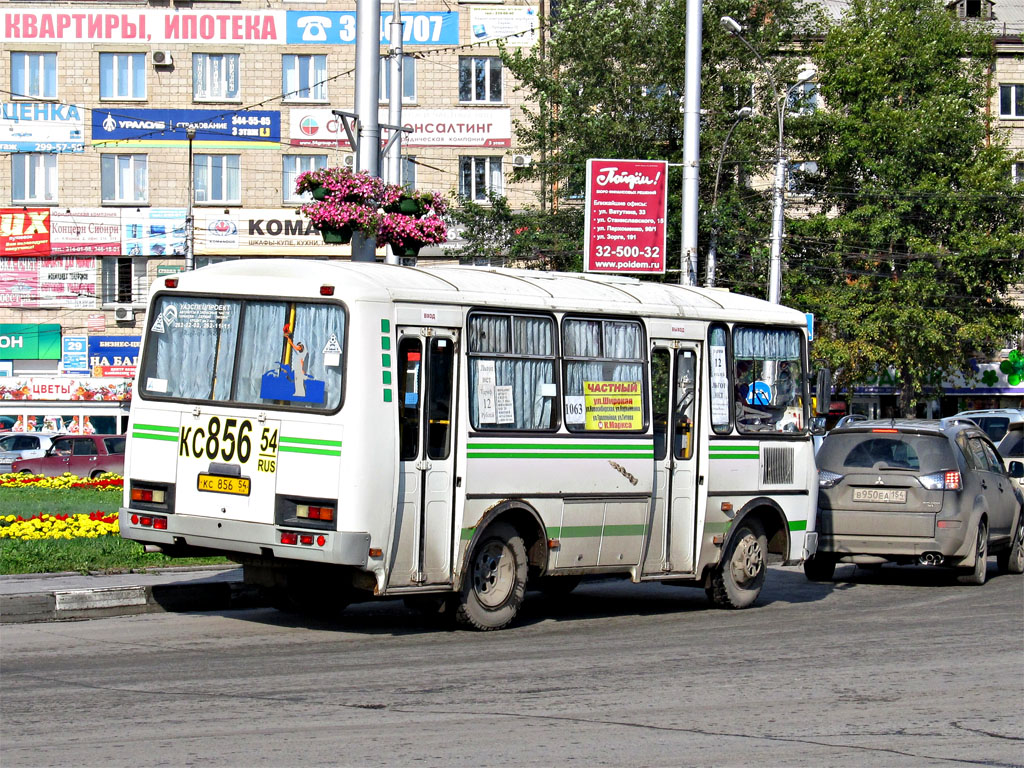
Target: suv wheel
<point>1011,560</point>
<point>976,577</point>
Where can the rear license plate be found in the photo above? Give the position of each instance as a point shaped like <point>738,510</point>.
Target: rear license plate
<point>218,484</point>
<point>881,495</point>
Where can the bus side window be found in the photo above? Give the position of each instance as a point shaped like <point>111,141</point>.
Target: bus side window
<point>659,401</point>
<point>439,397</point>
<point>410,356</point>
<point>685,399</point>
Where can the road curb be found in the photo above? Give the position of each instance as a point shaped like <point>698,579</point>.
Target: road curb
<point>72,604</point>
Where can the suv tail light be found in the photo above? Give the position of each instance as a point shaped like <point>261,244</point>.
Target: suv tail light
<point>828,479</point>
<point>942,481</point>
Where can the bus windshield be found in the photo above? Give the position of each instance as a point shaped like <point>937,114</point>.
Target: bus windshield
<point>287,354</point>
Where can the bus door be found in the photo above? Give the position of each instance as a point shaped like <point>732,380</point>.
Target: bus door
<point>675,372</point>
<point>424,520</point>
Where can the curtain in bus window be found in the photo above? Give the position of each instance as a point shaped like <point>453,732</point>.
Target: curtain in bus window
<point>262,351</point>
<point>530,380</point>
<point>768,380</point>
<point>315,324</point>
<point>764,344</point>
<point>191,345</point>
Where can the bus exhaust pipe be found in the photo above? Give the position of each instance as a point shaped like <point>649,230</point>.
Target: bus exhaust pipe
<point>931,558</point>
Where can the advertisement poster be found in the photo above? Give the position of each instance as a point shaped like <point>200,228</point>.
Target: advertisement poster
<point>29,341</point>
<point>516,26</point>
<point>61,388</point>
<point>92,231</point>
<point>457,127</point>
<point>613,405</point>
<point>153,232</point>
<point>260,232</point>
<point>24,231</point>
<point>114,355</point>
<point>215,128</point>
<point>40,126</point>
<point>626,207</point>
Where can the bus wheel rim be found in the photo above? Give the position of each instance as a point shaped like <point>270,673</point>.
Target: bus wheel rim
<point>747,560</point>
<point>493,574</point>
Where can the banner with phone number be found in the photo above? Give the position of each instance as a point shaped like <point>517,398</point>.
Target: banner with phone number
<point>626,207</point>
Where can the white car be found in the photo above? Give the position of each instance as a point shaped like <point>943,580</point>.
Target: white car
<point>22,445</point>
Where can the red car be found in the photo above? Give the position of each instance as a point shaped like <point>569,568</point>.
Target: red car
<point>81,455</point>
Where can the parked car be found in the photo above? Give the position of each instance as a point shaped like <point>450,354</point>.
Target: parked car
<point>81,455</point>
<point>928,492</point>
<point>1011,447</point>
<point>22,445</point>
<point>995,421</point>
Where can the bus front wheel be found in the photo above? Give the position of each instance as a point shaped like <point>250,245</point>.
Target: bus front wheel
<point>495,581</point>
<point>737,580</point>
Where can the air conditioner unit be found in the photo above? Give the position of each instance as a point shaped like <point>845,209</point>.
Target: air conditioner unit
<point>522,161</point>
<point>163,59</point>
<point>350,160</point>
<point>124,314</point>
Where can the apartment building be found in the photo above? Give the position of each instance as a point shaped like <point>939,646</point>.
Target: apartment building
<point>123,122</point>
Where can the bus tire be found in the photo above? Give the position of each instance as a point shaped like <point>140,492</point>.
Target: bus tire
<point>737,580</point>
<point>495,581</point>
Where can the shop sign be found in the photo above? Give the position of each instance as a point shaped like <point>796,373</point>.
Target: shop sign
<point>64,282</point>
<point>626,208</point>
<point>114,355</point>
<point>215,128</point>
<point>28,341</point>
<point>24,231</point>
<point>260,232</point>
<point>153,232</point>
<point>516,26</point>
<point>97,322</point>
<point>61,388</point>
<point>458,127</point>
<point>163,270</point>
<point>339,27</point>
<point>74,354</point>
<point>85,231</point>
<point>39,126</point>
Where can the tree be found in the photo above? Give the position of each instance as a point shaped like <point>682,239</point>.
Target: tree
<point>609,82</point>
<point>917,230</point>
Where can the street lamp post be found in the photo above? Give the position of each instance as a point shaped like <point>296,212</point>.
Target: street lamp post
<point>713,242</point>
<point>190,228</point>
<point>735,29</point>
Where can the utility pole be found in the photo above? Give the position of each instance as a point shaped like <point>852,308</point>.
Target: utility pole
<point>190,225</point>
<point>397,91</point>
<point>691,143</point>
<point>367,84</point>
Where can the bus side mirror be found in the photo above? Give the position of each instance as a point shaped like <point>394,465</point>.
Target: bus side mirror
<point>1016,469</point>
<point>823,390</point>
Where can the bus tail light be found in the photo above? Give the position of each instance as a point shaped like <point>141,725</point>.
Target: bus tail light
<point>310,512</point>
<point>149,495</point>
<point>289,537</point>
<point>171,282</point>
<point>150,521</point>
<point>156,497</point>
<point>326,290</point>
<point>295,538</point>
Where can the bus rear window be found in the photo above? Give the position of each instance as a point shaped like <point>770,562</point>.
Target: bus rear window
<point>267,353</point>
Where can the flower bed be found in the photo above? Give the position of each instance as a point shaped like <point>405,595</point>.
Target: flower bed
<point>80,526</point>
<point>105,482</point>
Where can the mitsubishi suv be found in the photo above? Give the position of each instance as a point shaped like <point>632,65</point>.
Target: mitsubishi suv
<point>934,493</point>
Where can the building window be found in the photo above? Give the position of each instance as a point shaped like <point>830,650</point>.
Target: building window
<point>1017,173</point>
<point>124,178</point>
<point>974,9</point>
<point>409,172</point>
<point>803,99</point>
<point>480,79</point>
<point>1011,100</point>
<point>122,76</point>
<point>408,79</point>
<point>34,75</point>
<point>217,179</point>
<point>215,76</point>
<point>304,78</point>
<point>33,178</point>
<point>478,176</point>
<point>124,280</point>
<point>293,165</point>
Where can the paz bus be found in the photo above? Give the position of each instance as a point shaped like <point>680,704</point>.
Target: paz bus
<point>457,435</point>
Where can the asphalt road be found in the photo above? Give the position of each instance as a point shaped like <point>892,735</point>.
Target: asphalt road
<point>891,668</point>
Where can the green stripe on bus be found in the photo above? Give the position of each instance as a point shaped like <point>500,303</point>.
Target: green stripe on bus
<point>156,428</point>
<point>592,531</point>
<point>467,534</point>
<point>311,441</point>
<point>147,436</point>
<point>555,447</point>
<point>733,452</point>
<point>318,451</point>
<point>798,525</point>
<point>717,527</point>
<point>506,455</point>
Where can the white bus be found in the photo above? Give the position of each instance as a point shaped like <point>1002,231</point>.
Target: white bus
<point>455,435</point>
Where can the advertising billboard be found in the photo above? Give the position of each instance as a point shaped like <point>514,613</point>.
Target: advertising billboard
<point>626,207</point>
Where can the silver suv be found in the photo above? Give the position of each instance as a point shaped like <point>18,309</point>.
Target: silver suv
<point>995,421</point>
<point>927,492</point>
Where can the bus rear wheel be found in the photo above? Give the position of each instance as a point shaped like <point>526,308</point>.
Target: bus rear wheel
<point>495,581</point>
<point>737,580</point>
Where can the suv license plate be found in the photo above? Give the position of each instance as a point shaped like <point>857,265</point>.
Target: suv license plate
<point>219,484</point>
<point>881,495</point>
